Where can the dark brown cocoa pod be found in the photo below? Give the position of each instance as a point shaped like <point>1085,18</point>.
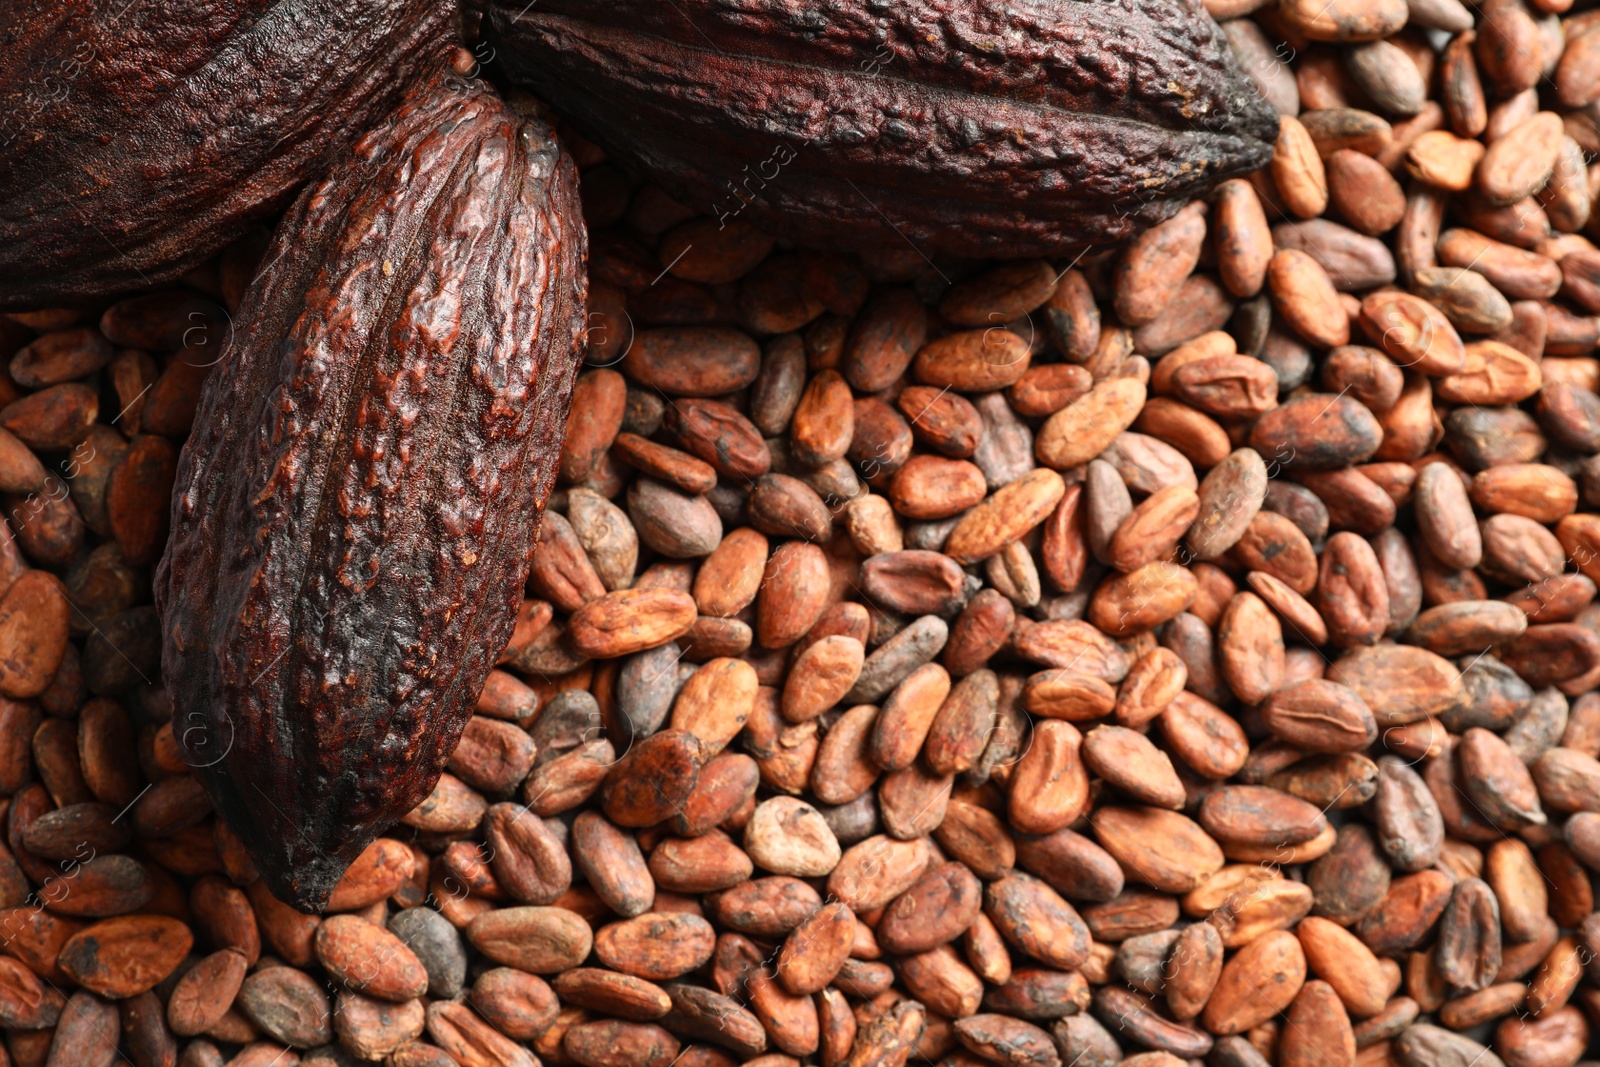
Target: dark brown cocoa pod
<point>353,515</point>
<point>715,102</point>
<point>174,127</point>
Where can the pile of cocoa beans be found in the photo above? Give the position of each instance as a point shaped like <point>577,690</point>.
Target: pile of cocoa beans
<point>1183,654</point>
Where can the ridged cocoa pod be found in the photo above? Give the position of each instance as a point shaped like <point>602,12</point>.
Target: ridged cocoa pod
<point>354,514</point>
<point>171,127</point>
<point>1011,129</point>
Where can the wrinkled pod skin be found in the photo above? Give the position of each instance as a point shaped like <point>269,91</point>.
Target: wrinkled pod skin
<point>975,127</point>
<point>355,512</point>
<point>137,139</point>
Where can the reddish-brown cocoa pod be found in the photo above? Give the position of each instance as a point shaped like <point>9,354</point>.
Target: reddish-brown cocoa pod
<point>684,125</point>
<point>165,191</point>
<point>335,576</point>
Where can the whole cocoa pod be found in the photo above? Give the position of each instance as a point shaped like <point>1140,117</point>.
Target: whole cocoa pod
<point>354,515</point>
<point>137,139</point>
<point>978,127</point>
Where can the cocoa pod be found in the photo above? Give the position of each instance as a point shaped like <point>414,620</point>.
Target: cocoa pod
<point>322,587</point>
<point>165,189</point>
<point>690,124</point>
